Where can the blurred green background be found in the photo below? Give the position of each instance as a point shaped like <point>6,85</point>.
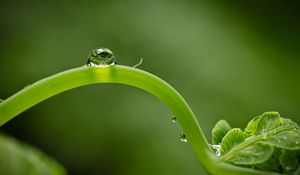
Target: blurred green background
<point>230,60</point>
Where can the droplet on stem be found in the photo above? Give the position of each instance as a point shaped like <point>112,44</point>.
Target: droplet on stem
<point>183,137</point>
<point>217,149</point>
<point>101,57</point>
<point>174,119</point>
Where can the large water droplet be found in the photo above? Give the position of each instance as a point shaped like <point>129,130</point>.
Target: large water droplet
<point>101,57</point>
<point>183,137</point>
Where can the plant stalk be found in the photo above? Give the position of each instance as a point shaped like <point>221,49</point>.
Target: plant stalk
<point>87,75</point>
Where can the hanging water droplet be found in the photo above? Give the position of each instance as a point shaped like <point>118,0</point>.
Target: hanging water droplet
<point>174,119</point>
<point>101,57</point>
<point>183,137</point>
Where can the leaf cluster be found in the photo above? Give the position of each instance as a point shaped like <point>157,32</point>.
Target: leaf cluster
<point>269,143</point>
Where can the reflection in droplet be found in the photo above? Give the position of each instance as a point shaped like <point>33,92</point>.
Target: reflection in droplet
<point>101,57</point>
<point>183,137</point>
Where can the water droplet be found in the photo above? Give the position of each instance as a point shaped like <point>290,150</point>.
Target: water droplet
<point>101,57</point>
<point>217,148</point>
<point>297,142</point>
<point>183,137</point>
<point>174,119</point>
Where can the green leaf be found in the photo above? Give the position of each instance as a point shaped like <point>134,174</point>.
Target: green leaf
<point>289,139</point>
<point>219,131</point>
<point>286,136</point>
<point>289,161</point>
<point>267,122</point>
<point>252,126</point>
<point>251,154</point>
<point>272,164</point>
<point>19,159</point>
<point>233,138</point>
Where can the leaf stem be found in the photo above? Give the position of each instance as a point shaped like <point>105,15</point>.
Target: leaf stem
<point>86,75</point>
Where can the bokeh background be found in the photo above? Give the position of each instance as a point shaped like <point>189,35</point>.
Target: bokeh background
<point>230,60</point>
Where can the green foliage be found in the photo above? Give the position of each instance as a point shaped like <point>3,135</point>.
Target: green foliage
<point>269,142</point>
<point>289,161</point>
<point>219,131</point>
<point>17,159</point>
<point>231,139</point>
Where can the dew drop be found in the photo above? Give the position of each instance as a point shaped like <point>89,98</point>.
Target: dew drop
<point>217,148</point>
<point>183,137</point>
<point>101,57</point>
<point>174,119</point>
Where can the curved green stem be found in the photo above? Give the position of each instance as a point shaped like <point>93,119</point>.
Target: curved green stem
<point>85,75</point>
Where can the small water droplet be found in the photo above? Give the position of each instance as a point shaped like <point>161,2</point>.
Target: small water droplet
<point>183,137</point>
<point>217,148</point>
<point>101,57</point>
<point>174,119</point>
<point>297,142</point>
